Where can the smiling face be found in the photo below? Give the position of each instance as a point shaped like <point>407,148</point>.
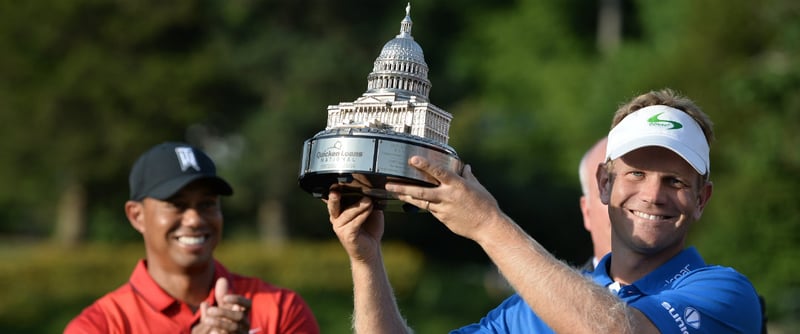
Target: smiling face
<point>181,232</point>
<point>654,196</point>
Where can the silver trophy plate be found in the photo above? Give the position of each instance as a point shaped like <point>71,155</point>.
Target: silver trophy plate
<point>360,161</point>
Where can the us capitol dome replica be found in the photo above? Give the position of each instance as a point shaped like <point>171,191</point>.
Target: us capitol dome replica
<point>368,142</point>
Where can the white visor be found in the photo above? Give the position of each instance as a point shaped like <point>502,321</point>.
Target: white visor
<point>662,126</point>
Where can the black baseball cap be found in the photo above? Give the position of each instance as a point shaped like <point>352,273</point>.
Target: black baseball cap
<point>166,168</point>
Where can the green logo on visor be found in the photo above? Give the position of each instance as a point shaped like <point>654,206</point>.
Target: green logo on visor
<point>663,123</point>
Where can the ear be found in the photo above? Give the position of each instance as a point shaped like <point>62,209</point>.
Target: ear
<point>135,212</point>
<point>702,198</point>
<point>604,180</point>
<point>584,201</point>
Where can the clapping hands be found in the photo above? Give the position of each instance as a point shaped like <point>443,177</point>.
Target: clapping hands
<point>230,315</point>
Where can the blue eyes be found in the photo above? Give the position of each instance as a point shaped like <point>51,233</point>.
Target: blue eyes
<point>671,181</point>
<point>678,183</point>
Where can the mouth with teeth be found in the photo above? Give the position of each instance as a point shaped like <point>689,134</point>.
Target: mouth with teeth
<point>648,216</point>
<point>192,240</point>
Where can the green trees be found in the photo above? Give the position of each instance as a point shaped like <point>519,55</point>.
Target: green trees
<point>86,85</point>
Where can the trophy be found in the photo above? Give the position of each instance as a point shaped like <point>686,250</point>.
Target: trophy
<point>368,142</point>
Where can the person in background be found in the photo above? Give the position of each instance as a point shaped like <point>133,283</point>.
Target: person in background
<point>179,287</point>
<point>655,180</point>
<point>594,212</point>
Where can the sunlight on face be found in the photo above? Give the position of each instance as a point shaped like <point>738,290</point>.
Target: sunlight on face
<point>654,198</point>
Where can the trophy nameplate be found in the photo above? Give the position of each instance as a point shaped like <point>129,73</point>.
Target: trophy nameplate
<point>362,161</point>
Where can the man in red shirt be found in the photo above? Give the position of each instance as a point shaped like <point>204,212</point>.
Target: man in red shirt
<point>179,287</point>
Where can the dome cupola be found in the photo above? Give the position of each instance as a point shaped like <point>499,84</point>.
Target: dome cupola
<point>400,68</point>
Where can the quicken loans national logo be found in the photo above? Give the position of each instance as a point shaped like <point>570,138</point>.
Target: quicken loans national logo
<point>336,154</point>
<point>669,125</point>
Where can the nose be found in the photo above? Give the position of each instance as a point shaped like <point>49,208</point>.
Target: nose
<point>192,217</point>
<point>652,191</point>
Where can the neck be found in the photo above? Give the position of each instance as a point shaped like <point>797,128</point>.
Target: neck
<point>628,266</point>
<point>189,286</point>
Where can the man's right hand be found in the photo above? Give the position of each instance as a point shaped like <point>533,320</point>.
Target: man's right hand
<point>359,227</point>
<point>229,316</point>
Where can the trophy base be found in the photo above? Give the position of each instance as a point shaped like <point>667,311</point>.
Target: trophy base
<point>359,162</point>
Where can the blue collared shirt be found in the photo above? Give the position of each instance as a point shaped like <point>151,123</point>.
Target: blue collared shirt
<point>682,296</point>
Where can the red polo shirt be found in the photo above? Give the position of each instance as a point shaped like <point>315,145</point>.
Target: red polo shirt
<point>141,306</point>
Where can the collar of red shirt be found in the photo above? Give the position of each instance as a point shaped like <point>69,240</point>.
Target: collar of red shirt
<point>153,294</point>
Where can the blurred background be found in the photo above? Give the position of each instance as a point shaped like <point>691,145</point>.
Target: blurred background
<point>87,85</point>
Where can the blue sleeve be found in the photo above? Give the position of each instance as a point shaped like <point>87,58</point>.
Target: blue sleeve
<point>710,300</point>
<point>511,316</point>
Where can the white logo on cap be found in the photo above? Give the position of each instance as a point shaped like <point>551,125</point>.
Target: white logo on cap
<point>186,158</point>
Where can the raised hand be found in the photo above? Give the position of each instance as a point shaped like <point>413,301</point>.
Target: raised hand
<point>359,227</point>
<point>459,201</point>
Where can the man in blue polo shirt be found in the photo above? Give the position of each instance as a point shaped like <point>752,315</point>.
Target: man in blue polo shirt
<point>656,184</point>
